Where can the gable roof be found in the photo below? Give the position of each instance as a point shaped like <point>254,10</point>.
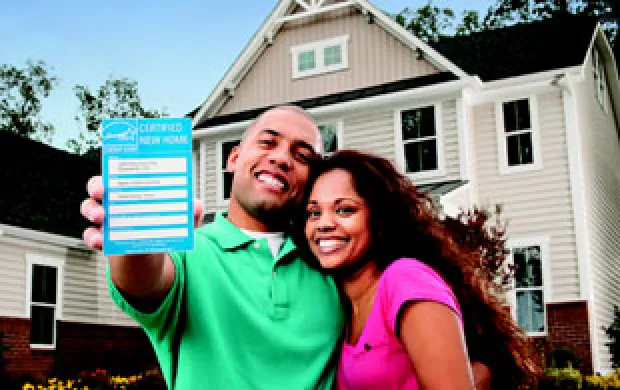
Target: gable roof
<point>42,187</point>
<point>270,28</point>
<point>523,48</point>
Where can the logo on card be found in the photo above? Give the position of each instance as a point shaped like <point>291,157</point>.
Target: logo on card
<point>120,133</point>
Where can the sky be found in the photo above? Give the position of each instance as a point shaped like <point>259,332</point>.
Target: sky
<point>176,51</point>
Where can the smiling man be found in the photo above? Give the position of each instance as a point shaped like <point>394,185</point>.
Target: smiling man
<point>242,310</point>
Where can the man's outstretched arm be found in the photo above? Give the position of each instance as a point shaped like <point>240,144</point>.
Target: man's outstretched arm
<point>143,278</point>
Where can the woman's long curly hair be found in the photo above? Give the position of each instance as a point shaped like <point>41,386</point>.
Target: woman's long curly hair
<point>404,224</point>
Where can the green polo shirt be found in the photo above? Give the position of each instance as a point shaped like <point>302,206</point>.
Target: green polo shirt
<point>236,318</point>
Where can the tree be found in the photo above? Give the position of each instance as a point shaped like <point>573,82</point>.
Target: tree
<point>475,230</point>
<point>116,98</point>
<point>428,23</point>
<point>471,23</point>
<point>21,92</point>
<point>613,332</point>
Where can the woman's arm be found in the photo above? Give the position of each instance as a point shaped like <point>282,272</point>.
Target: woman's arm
<point>433,338</point>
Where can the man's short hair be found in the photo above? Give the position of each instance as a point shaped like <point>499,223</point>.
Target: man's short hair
<point>286,107</point>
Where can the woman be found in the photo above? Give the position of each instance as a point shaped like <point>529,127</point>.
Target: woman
<point>406,283</point>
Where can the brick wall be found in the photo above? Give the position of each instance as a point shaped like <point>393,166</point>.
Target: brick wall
<point>568,327</point>
<point>20,359</point>
<point>78,347</point>
<point>117,349</point>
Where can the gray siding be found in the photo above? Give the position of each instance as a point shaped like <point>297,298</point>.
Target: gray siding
<point>536,203</point>
<point>270,79</point>
<point>601,156</point>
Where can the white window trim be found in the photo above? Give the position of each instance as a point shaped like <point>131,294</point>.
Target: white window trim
<point>318,48</point>
<point>59,264</point>
<point>400,144</point>
<point>504,168</point>
<point>598,66</point>
<point>543,243</point>
<point>219,174</point>
<point>339,132</point>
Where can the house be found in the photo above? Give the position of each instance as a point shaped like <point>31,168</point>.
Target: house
<point>56,315</point>
<point>525,116</point>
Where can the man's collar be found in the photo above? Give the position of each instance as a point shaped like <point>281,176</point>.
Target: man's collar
<point>231,237</point>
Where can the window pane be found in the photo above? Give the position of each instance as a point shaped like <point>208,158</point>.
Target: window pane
<point>332,55</point>
<point>530,311</point>
<point>306,60</point>
<point>418,123</point>
<point>517,115</point>
<point>228,178</point>
<point>42,330</point>
<point>421,156</point>
<point>528,267</point>
<point>44,284</point>
<point>520,149</point>
<point>329,133</point>
<point>227,147</point>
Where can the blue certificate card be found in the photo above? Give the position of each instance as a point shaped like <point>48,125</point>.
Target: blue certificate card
<point>147,177</point>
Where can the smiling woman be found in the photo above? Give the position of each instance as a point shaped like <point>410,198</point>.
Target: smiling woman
<point>412,292</point>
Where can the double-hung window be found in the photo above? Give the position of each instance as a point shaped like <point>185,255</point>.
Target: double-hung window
<point>419,131</point>
<point>44,300</point>
<point>320,57</point>
<point>224,179</point>
<point>519,146</point>
<point>530,258</point>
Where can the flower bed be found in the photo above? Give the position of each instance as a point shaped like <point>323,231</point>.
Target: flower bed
<point>101,380</point>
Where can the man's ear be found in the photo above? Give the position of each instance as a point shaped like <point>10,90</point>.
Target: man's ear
<point>231,162</point>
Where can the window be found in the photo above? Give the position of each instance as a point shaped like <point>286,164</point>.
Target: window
<point>225,178</point>
<point>44,300</point>
<point>600,81</point>
<point>332,136</point>
<point>320,57</point>
<point>529,295</point>
<point>519,149</point>
<point>419,131</point>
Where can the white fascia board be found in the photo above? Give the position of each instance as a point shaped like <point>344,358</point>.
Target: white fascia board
<point>244,61</point>
<point>34,237</point>
<point>371,103</point>
<point>411,40</point>
<point>524,85</point>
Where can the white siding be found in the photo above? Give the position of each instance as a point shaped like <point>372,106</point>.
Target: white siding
<point>85,296</point>
<point>451,139</point>
<point>535,203</point>
<point>601,169</point>
<point>371,132</point>
<point>12,281</point>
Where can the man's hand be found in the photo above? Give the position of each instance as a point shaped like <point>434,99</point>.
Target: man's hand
<point>144,279</point>
<point>92,210</point>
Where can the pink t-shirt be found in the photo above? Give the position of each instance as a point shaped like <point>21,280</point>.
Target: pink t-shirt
<point>379,359</point>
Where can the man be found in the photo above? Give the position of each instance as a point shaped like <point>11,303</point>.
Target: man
<point>242,310</point>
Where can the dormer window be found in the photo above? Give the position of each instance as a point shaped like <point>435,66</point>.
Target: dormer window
<point>319,57</point>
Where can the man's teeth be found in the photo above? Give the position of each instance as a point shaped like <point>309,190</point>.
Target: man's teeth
<point>271,180</point>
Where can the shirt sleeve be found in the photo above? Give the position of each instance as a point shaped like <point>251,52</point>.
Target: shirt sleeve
<point>162,322</point>
<point>409,280</point>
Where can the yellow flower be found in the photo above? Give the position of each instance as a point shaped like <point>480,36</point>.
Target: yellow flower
<point>27,386</point>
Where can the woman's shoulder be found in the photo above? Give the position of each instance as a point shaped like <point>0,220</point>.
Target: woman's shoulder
<point>415,276</point>
<point>409,267</point>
